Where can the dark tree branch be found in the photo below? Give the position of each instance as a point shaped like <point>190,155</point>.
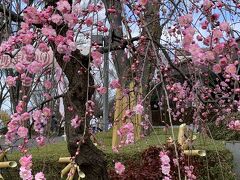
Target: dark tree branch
<point>44,102</point>
<point>15,17</point>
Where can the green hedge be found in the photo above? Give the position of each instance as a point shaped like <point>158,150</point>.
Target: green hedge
<point>46,158</point>
<point>209,166</point>
<point>215,166</point>
<point>221,132</point>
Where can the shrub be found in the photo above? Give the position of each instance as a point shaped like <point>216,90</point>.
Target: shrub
<point>221,132</point>
<point>149,165</point>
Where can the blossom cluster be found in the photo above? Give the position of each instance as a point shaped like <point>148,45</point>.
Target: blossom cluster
<point>126,134</point>
<point>165,167</point>
<point>189,172</point>
<point>16,125</point>
<point>119,168</point>
<point>26,171</point>
<point>234,125</point>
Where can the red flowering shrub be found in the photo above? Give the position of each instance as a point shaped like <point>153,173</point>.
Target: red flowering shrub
<point>150,164</point>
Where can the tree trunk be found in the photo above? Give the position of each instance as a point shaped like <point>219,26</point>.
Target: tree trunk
<point>148,69</point>
<point>90,159</point>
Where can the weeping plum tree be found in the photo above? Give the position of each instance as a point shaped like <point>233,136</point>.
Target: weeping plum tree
<point>187,49</point>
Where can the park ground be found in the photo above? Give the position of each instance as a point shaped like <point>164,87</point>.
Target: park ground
<point>217,162</point>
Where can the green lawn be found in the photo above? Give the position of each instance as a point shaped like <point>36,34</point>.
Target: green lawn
<point>157,137</point>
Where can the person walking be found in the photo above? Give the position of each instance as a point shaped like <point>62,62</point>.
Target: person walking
<point>93,124</point>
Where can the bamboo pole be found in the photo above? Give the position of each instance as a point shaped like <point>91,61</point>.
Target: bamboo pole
<point>117,118</point>
<point>8,164</point>
<point>194,137</point>
<point>181,133</point>
<point>80,173</point>
<point>64,160</point>
<point>72,173</point>
<point>195,153</point>
<point>136,118</point>
<point>66,170</point>
<point>1,177</point>
<point>186,143</point>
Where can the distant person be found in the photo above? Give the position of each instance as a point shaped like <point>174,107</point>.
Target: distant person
<point>100,123</point>
<point>54,124</point>
<point>109,125</point>
<point>3,128</point>
<point>1,124</point>
<point>93,124</point>
<point>110,122</point>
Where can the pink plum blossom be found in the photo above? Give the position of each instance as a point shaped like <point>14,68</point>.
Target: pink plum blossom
<point>89,21</point>
<point>70,19</point>
<point>126,134</point>
<point>129,113</point>
<point>47,84</point>
<point>189,172</point>
<point>20,106</point>
<point>22,132</point>
<point>75,122</point>
<point>165,160</point>
<point>234,125</point>
<point>47,96</point>
<point>47,112</point>
<point>26,80</point>
<point>217,68</point>
<point>26,38</point>
<point>49,31</point>
<point>35,67</point>
<point>97,58</point>
<point>29,51</point>
<point>119,168</point>
<point>143,2</point>
<point>11,81</point>
<point>209,55</point>
<point>41,140</point>
<point>115,84</point>
<point>224,26</point>
<point>31,15</point>
<point>207,5</point>
<point>217,33</point>
<point>71,45</point>
<point>57,19</point>
<point>185,20</point>
<point>25,116</point>
<point>231,69</point>
<point>43,47</point>
<point>102,90</point>
<point>138,109</point>
<point>25,173</point>
<point>40,176</point>
<point>26,161</point>
<point>62,48</point>
<point>20,67</point>
<point>223,61</point>
<point>63,6</point>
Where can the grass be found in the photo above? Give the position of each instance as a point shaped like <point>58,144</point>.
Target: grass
<point>157,137</point>
<point>46,158</point>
